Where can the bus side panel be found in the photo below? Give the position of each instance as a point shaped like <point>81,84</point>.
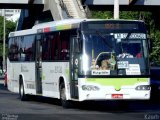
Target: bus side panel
<point>28,74</point>
<point>51,73</point>
<point>9,75</point>
<point>13,71</point>
<point>27,70</point>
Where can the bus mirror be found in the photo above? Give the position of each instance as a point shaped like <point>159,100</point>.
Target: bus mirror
<point>77,45</point>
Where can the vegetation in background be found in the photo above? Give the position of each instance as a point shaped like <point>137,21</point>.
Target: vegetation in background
<point>147,17</point>
<point>10,26</point>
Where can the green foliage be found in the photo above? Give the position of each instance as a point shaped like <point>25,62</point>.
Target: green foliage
<point>102,15</point>
<point>10,26</point>
<point>129,15</point>
<point>155,55</point>
<point>147,17</point>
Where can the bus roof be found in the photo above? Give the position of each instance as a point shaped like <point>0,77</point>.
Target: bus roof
<point>58,25</point>
<point>45,27</point>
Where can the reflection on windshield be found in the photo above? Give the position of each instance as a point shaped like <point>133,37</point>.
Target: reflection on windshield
<point>102,57</point>
<point>105,39</point>
<point>104,61</point>
<point>130,49</point>
<point>107,55</point>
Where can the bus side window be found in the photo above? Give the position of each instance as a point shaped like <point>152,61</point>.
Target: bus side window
<point>57,46</point>
<point>64,45</point>
<point>64,51</point>
<point>45,48</point>
<point>13,49</point>
<point>27,46</point>
<point>50,47</point>
<point>52,44</point>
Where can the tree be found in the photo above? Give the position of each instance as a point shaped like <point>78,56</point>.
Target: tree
<point>10,26</point>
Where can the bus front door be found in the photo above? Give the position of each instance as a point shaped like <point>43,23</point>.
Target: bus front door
<point>74,69</point>
<point>38,66</point>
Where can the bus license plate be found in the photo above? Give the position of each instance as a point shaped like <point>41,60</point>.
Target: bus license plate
<point>117,96</point>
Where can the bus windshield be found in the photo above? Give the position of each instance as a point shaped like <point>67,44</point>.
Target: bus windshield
<point>114,53</point>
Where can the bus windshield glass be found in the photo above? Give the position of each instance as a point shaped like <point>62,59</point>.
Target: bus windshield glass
<point>114,53</point>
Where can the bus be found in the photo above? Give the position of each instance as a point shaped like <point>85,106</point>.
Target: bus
<point>80,60</point>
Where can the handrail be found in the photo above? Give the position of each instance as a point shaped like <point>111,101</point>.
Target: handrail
<point>80,6</point>
<point>64,7</point>
<point>84,10</point>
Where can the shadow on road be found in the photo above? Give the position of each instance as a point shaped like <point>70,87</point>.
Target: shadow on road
<point>43,99</point>
<point>106,106</point>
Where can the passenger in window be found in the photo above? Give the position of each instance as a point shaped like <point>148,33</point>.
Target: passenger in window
<point>125,55</point>
<point>139,55</point>
<point>15,57</point>
<point>64,51</point>
<point>125,52</point>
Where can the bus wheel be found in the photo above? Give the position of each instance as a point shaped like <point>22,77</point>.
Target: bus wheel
<point>22,94</point>
<point>65,103</point>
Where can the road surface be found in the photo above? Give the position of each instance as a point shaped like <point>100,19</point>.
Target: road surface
<point>40,108</point>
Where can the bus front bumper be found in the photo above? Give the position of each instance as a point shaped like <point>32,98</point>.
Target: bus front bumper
<point>143,95</point>
<point>98,91</point>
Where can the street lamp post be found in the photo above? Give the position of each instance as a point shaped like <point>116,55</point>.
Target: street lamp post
<point>116,9</point>
<point>4,38</point>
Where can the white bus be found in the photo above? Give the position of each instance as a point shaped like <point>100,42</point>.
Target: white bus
<point>80,59</point>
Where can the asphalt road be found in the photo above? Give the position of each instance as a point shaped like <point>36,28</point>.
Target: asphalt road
<point>40,108</point>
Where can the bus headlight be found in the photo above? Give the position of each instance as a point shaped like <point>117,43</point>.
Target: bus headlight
<point>143,87</point>
<point>90,88</point>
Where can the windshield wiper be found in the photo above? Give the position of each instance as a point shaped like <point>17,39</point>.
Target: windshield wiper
<point>104,39</point>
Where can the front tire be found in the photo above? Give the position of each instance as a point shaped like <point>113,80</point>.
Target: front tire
<point>65,103</point>
<point>22,94</point>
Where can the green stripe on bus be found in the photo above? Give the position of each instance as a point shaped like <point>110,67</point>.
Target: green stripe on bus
<point>63,27</point>
<point>43,76</point>
<point>67,72</point>
<point>116,82</point>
